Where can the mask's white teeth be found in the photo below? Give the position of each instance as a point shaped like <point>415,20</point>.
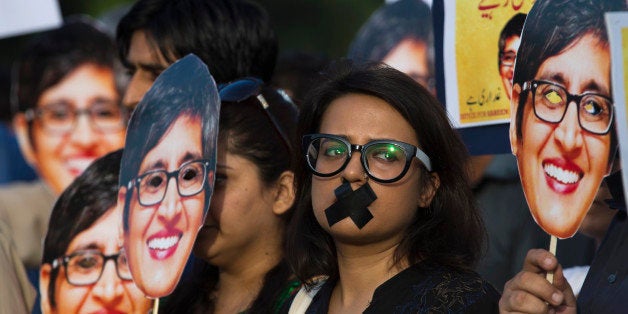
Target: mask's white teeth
<point>163,243</point>
<point>560,174</point>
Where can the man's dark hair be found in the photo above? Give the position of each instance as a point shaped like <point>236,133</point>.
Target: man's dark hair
<point>233,37</point>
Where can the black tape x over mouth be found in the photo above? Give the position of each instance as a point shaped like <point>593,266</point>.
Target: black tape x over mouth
<point>351,204</point>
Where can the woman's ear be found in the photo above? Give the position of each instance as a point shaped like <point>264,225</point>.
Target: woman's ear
<point>429,191</point>
<point>285,193</point>
<point>20,126</point>
<point>514,105</point>
<point>44,283</point>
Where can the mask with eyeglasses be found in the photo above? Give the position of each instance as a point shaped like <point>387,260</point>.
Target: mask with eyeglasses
<point>61,118</point>
<point>84,268</point>
<point>245,88</point>
<point>551,101</point>
<point>151,186</point>
<point>385,161</point>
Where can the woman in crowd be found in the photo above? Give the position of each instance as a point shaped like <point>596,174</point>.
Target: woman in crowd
<point>83,236</point>
<point>383,231</point>
<point>241,242</point>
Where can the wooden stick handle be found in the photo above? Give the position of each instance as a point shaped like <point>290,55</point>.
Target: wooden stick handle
<point>156,306</point>
<point>552,248</point>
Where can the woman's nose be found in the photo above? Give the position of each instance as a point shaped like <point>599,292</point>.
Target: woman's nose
<point>568,133</point>
<point>170,206</point>
<point>84,133</point>
<point>108,289</point>
<point>355,171</point>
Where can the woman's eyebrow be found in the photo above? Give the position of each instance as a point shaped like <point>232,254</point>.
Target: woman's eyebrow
<point>591,85</point>
<point>189,156</point>
<point>556,77</point>
<point>161,164</point>
<point>594,86</point>
<point>157,164</point>
<point>87,246</point>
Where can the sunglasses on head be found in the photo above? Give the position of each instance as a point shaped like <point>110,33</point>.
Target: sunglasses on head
<point>246,88</point>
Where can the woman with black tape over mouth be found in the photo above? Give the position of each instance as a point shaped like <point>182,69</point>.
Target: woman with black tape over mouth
<point>385,220</point>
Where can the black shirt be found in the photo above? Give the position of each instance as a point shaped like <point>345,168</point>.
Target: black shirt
<point>424,288</point>
<point>605,289</point>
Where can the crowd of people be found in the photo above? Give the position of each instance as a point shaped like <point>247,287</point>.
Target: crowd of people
<point>350,193</point>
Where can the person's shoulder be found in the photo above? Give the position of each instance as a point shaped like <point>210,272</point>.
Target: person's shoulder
<point>31,195</point>
<point>23,188</point>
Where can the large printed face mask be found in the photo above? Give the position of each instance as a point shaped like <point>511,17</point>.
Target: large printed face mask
<point>167,173</point>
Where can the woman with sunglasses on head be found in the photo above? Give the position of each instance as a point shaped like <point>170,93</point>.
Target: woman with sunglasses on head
<point>241,242</point>
<point>385,221</point>
<point>84,268</point>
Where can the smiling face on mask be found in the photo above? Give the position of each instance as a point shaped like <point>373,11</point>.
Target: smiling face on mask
<point>112,292</point>
<point>166,214</point>
<point>61,153</point>
<point>562,163</point>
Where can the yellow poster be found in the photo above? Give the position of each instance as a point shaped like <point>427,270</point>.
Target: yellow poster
<point>483,37</point>
<point>617,25</point>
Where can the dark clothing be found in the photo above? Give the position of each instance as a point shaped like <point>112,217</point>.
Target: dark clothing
<point>192,294</point>
<point>606,285</point>
<point>424,288</point>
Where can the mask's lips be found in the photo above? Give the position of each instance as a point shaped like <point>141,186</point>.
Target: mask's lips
<point>563,176</point>
<point>163,244</point>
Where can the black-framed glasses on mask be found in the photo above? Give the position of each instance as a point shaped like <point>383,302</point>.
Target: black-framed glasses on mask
<point>551,100</point>
<point>61,118</point>
<point>84,268</point>
<point>385,161</point>
<point>151,186</point>
<point>245,88</point>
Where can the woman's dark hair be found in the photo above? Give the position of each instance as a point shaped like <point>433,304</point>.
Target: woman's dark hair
<point>449,232</point>
<point>89,197</point>
<point>233,37</point>
<point>553,26</point>
<point>183,90</point>
<point>249,134</point>
<point>389,26</point>
<point>51,56</point>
